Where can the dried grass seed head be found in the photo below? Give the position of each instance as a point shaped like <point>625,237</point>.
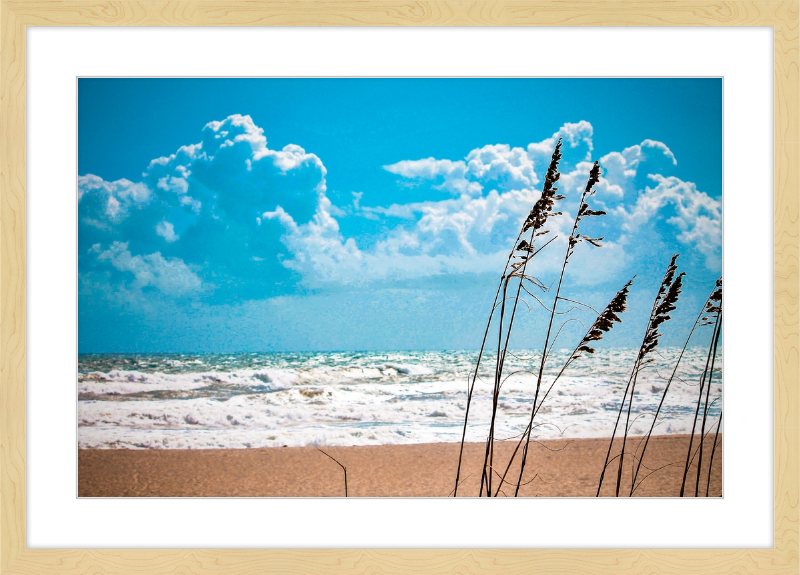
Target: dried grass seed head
<point>584,211</point>
<point>715,299</point>
<point>605,321</point>
<point>543,208</point>
<point>666,301</point>
<point>713,304</point>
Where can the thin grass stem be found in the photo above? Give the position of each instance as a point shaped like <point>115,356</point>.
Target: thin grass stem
<point>705,409</point>
<point>574,238</point>
<point>340,465</point>
<point>703,310</point>
<point>697,409</point>
<point>713,450</point>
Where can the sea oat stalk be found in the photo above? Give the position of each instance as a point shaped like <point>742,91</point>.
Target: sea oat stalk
<point>575,238</point>
<point>702,319</point>
<point>524,252</point>
<point>602,324</point>
<point>664,302</point>
<point>713,450</point>
<point>535,222</point>
<point>707,405</point>
<point>716,313</point>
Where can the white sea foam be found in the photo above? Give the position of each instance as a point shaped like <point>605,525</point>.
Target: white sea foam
<point>125,382</point>
<point>364,399</point>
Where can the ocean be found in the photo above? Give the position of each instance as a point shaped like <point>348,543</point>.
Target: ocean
<point>204,401</point>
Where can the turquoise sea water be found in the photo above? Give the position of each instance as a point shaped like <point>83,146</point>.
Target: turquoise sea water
<point>351,398</point>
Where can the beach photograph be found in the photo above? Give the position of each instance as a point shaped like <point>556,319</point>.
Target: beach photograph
<point>400,287</point>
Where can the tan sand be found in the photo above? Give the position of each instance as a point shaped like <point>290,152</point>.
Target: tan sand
<point>426,470</point>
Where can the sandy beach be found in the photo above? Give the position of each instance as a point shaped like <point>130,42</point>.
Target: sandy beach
<point>556,468</point>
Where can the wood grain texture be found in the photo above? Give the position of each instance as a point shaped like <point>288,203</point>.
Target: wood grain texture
<point>786,210</point>
<point>397,13</point>
<point>12,288</point>
<point>16,15</point>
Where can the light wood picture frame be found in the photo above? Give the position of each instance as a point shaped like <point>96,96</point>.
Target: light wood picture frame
<point>16,15</point>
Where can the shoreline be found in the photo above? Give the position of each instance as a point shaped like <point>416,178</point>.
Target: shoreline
<point>555,468</point>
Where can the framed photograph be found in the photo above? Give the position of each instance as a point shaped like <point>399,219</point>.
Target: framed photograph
<point>370,330</point>
<point>284,278</point>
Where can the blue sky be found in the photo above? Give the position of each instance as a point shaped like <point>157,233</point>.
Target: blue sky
<point>349,214</point>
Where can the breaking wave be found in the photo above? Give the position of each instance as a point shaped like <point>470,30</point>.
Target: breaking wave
<point>264,400</point>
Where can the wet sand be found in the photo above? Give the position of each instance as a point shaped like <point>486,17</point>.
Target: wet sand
<point>555,468</point>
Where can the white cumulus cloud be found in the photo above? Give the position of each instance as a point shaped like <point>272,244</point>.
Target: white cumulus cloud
<point>167,231</point>
<point>620,168</point>
<point>496,186</point>
<point>111,201</point>
<point>697,215</point>
<point>170,276</point>
<point>232,182</point>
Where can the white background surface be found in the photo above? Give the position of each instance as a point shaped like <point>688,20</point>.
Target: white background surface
<point>56,56</point>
